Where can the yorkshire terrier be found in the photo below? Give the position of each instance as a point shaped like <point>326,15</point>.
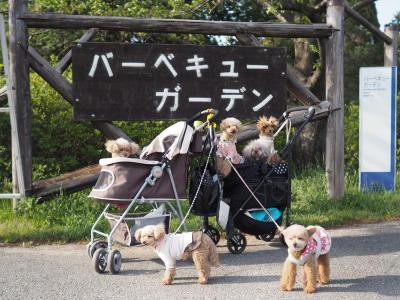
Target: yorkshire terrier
<point>226,148</point>
<point>121,147</point>
<point>266,128</point>
<point>307,247</point>
<point>172,247</point>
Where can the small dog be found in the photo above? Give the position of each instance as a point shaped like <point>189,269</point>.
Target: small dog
<point>226,148</point>
<point>308,247</point>
<point>121,147</point>
<point>172,247</point>
<point>266,127</point>
<point>255,151</point>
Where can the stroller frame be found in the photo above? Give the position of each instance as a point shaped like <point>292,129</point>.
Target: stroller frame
<point>100,250</point>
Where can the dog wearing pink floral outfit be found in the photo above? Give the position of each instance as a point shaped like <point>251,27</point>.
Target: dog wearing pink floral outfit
<point>307,247</point>
<point>226,148</point>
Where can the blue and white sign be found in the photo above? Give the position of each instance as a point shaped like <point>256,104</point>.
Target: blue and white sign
<point>377,148</point>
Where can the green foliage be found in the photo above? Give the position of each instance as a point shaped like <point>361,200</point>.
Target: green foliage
<point>311,204</point>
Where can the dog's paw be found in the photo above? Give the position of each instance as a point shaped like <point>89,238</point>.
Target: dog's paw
<point>203,280</point>
<point>166,281</point>
<point>309,289</point>
<point>286,288</point>
<point>323,280</point>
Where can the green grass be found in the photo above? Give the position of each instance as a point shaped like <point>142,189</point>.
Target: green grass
<point>69,218</point>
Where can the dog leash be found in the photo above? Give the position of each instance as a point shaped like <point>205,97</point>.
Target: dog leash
<point>288,124</point>
<point>255,197</point>
<point>197,191</point>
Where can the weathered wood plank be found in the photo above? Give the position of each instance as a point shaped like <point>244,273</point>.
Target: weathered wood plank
<point>367,24</point>
<point>64,88</point>
<point>66,60</point>
<point>362,4</point>
<point>334,94</point>
<point>62,21</point>
<point>66,183</point>
<point>19,77</point>
<point>295,87</point>
<point>390,54</point>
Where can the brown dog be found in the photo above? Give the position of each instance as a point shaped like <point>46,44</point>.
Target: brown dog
<point>172,247</point>
<point>307,247</point>
<point>226,148</point>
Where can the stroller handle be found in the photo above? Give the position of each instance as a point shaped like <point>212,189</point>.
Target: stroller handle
<point>307,115</point>
<point>204,112</point>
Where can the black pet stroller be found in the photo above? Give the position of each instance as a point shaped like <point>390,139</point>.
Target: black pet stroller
<point>158,178</point>
<point>254,196</point>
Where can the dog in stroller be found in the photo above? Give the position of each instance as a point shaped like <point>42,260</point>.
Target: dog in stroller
<point>157,178</point>
<point>253,197</point>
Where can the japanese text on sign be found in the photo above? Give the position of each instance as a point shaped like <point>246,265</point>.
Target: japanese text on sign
<point>147,81</point>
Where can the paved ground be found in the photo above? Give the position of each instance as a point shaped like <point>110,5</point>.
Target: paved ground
<point>365,265</point>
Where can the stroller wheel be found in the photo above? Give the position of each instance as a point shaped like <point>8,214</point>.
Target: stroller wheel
<point>92,247</point>
<point>115,261</point>
<point>212,233</point>
<point>100,260</point>
<point>267,237</point>
<point>237,243</point>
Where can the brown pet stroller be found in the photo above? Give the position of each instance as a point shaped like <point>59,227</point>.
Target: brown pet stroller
<point>158,177</point>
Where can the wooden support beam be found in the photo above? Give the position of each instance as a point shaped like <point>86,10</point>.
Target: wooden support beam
<point>295,87</point>
<point>367,24</point>
<point>66,60</point>
<point>322,111</point>
<point>390,56</point>
<point>334,94</point>
<point>362,4</point>
<point>62,21</point>
<point>66,183</point>
<point>64,88</point>
<point>19,77</point>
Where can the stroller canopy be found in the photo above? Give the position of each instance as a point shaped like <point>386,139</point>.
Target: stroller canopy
<point>172,141</point>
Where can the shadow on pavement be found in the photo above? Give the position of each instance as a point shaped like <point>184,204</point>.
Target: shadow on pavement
<point>387,285</point>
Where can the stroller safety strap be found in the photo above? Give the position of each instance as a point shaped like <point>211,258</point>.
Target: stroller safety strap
<point>255,197</point>
<point>109,161</point>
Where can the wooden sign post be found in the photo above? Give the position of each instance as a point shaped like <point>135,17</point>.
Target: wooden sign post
<point>114,81</point>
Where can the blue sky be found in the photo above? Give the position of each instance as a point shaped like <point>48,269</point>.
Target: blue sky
<point>387,9</point>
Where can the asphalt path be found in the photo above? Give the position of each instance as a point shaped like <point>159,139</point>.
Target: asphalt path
<point>365,265</point>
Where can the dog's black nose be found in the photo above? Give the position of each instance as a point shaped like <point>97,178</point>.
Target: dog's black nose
<point>294,245</point>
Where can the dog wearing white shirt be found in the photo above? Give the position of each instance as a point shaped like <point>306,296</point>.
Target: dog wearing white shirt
<point>173,247</point>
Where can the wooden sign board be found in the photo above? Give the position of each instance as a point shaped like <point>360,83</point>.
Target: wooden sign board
<point>114,81</point>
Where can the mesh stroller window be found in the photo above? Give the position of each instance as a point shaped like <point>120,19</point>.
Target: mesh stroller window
<point>105,180</point>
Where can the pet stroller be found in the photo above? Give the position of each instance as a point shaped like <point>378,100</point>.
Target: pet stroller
<point>254,196</point>
<point>158,178</point>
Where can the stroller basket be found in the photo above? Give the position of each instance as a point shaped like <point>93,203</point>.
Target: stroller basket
<point>125,232</point>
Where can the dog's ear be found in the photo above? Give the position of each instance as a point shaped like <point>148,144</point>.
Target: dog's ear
<point>274,121</point>
<point>138,234</point>
<point>311,230</point>
<point>159,231</point>
<point>223,125</point>
<point>239,125</point>
<point>260,122</point>
<point>134,148</point>
<point>112,146</point>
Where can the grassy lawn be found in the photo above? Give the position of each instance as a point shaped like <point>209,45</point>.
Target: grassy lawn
<point>69,218</point>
